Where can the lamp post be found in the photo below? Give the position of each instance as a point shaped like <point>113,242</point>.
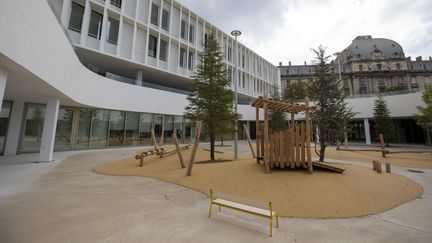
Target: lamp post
<point>337,54</point>
<point>236,33</point>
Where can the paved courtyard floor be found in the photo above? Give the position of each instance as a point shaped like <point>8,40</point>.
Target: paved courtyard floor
<point>64,201</point>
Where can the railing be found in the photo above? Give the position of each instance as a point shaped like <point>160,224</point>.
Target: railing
<point>390,93</point>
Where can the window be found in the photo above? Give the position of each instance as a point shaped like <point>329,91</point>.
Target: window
<point>190,61</point>
<point>113,28</point>
<point>163,50</point>
<point>191,33</point>
<point>183,31</point>
<point>154,18</point>
<point>165,19</point>
<point>116,3</point>
<point>360,67</point>
<point>243,61</point>
<point>152,47</point>
<point>76,17</point>
<point>229,53</point>
<point>379,66</point>
<point>95,26</point>
<point>182,60</point>
<point>398,66</point>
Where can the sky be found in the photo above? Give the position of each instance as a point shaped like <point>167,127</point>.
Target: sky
<point>286,30</point>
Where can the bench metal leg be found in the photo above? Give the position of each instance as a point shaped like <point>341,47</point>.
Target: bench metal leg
<point>210,209</point>
<point>219,208</point>
<point>277,220</point>
<point>271,226</point>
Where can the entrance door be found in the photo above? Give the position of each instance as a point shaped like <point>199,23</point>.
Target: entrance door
<point>158,128</point>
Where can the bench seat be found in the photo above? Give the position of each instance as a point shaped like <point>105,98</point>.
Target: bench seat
<point>243,207</point>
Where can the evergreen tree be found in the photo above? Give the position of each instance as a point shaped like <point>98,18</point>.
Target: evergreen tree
<point>383,123</point>
<point>211,99</point>
<point>277,119</point>
<point>424,119</point>
<point>295,91</point>
<point>331,114</point>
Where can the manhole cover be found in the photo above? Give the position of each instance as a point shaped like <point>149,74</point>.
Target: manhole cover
<point>416,171</point>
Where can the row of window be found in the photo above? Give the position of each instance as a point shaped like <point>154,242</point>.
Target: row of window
<point>95,25</point>
<point>163,52</point>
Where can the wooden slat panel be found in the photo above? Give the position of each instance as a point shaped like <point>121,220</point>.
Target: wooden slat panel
<point>276,149</point>
<point>285,148</point>
<point>271,150</point>
<point>293,142</point>
<point>281,148</point>
<point>303,140</point>
<point>297,158</point>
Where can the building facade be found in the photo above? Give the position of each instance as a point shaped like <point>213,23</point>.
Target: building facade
<point>370,67</point>
<point>90,74</point>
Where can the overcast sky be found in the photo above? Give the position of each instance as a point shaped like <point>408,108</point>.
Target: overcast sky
<point>286,30</point>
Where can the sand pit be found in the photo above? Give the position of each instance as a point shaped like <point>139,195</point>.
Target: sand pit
<point>357,192</point>
<point>410,160</point>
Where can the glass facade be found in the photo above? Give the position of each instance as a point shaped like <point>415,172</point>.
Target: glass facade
<point>4,122</point>
<point>85,128</point>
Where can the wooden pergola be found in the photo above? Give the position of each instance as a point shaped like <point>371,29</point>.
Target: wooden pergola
<point>283,149</point>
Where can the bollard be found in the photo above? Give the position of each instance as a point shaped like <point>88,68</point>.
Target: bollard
<point>379,167</point>
<point>388,167</point>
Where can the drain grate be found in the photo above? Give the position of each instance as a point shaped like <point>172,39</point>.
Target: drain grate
<point>416,171</point>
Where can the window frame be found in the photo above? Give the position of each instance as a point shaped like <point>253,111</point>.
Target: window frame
<point>114,42</point>
<point>150,51</point>
<point>153,6</point>
<point>165,56</point>
<point>82,16</point>
<point>167,13</point>
<point>99,28</point>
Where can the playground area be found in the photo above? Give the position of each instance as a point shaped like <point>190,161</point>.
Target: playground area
<point>294,193</point>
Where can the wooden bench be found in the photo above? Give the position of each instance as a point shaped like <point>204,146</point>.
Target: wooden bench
<point>246,205</point>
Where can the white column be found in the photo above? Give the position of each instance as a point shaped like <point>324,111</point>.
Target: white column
<point>3,79</point>
<point>14,128</point>
<point>49,130</point>
<point>367,131</point>
<point>139,77</point>
<point>85,23</point>
<point>66,12</point>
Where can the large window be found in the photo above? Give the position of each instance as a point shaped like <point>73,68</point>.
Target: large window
<point>168,128</point>
<point>146,124</point>
<point>95,27</point>
<point>4,122</point>
<point>84,125</point>
<point>99,128</point>
<point>154,18</point>
<point>64,129</point>
<point>132,128</point>
<point>116,128</point>
<point>116,3</point>
<point>152,47</point>
<point>190,60</point>
<point>183,30</point>
<point>113,29</point>
<point>158,128</point>
<point>165,19</point>
<point>182,61</point>
<point>76,17</point>
<point>34,116</point>
<point>163,53</point>
<point>192,33</point>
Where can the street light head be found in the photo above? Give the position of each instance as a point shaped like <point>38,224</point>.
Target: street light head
<point>336,54</point>
<point>236,33</point>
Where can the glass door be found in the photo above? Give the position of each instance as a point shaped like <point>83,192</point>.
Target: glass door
<point>64,129</point>
<point>34,116</point>
<point>158,128</point>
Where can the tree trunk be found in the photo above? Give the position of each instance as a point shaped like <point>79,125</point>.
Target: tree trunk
<point>212,146</point>
<point>322,153</point>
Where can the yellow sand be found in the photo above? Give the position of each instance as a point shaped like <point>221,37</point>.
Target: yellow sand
<point>357,192</point>
<point>410,160</point>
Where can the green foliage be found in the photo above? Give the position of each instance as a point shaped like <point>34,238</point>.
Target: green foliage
<point>295,91</point>
<point>395,88</point>
<point>331,113</point>
<point>424,119</point>
<point>383,123</point>
<point>277,119</point>
<point>211,99</point>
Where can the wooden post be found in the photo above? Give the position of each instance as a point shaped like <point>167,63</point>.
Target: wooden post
<point>381,137</point>
<point>194,149</point>
<point>249,141</point>
<point>276,149</point>
<point>302,144</point>
<point>257,129</point>
<point>374,165</point>
<point>388,167</point>
<point>174,136</point>
<point>308,137</point>
<point>297,161</point>
<point>155,144</point>
<point>286,148</point>
<point>270,150</point>
<point>379,167</point>
<point>281,149</point>
<point>266,138</point>
<point>292,147</point>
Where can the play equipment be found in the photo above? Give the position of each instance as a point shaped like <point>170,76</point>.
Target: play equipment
<point>194,148</point>
<point>243,204</point>
<point>284,149</point>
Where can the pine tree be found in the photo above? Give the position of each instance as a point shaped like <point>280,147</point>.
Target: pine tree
<point>331,114</point>
<point>424,119</point>
<point>383,123</point>
<point>211,99</point>
<point>295,91</point>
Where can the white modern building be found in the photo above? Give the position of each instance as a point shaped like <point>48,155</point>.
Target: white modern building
<point>85,74</point>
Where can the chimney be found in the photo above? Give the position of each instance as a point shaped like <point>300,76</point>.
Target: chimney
<point>289,63</point>
<point>419,58</point>
<point>305,63</point>
<point>280,64</point>
<point>430,58</point>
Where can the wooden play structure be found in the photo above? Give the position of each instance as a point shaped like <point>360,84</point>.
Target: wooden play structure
<point>284,149</point>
